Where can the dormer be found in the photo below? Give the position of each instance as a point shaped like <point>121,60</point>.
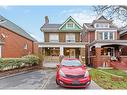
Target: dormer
<point>101,22</point>
<point>70,24</point>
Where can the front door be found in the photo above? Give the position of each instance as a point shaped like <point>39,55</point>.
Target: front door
<point>72,53</point>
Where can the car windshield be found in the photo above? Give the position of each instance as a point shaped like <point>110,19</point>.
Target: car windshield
<point>71,63</point>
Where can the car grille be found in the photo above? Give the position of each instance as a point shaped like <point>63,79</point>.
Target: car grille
<point>74,76</point>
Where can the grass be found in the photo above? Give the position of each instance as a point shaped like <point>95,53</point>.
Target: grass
<point>116,72</point>
<point>107,81</point>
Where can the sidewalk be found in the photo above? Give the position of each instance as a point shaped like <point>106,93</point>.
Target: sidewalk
<point>50,65</point>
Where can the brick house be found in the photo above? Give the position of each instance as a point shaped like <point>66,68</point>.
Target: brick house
<point>105,42</point>
<point>14,41</point>
<point>62,39</point>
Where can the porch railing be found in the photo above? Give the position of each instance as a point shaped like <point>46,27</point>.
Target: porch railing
<point>104,61</point>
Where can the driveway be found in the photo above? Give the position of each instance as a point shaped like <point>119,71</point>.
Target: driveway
<point>30,80</point>
<point>41,79</point>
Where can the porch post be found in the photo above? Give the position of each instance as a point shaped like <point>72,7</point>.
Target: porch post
<point>98,57</point>
<point>61,50</point>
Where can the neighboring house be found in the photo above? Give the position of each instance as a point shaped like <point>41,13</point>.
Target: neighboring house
<point>104,43</point>
<point>62,39</point>
<point>14,41</point>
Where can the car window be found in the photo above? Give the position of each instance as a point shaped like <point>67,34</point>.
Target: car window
<point>71,63</point>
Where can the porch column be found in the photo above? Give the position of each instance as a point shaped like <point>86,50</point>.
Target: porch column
<point>98,57</point>
<point>61,51</point>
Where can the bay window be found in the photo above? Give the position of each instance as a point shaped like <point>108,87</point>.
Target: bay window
<point>106,35</point>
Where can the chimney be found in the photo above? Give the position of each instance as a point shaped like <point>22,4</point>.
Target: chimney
<point>46,20</point>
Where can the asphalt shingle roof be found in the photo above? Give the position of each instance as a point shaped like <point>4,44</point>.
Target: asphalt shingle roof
<point>14,28</point>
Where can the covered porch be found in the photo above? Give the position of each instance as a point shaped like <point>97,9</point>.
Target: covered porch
<point>102,53</point>
<point>52,51</point>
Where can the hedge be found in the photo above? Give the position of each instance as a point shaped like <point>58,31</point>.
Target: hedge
<point>12,63</point>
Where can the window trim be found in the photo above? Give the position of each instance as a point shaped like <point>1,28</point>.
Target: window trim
<point>53,41</point>
<point>103,36</point>
<point>101,25</point>
<point>69,39</point>
<point>70,27</point>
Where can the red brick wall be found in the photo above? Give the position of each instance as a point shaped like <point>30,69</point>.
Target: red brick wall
<point>14,44</point>
<point>124,37</point>
<point>89,37</point>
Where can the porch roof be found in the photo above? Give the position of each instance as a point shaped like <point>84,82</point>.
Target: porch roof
<point>62,44</point>
<point>99,43</point>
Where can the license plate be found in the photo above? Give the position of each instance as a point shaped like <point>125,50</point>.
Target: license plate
<point>75,82</point>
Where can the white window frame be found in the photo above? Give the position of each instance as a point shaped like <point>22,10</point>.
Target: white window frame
<point>53,37</point>
<point>68,40</point>
<point>101,25</point>
<point>103,38</point>
<point>70,27</point>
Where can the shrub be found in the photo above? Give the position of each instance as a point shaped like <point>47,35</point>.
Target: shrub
<point>12,63</point>
<point>32,59</point>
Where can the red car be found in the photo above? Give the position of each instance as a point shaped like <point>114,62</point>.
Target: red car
<point>71,73</point>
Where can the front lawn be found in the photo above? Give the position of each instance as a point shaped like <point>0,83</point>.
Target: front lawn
<point>116,72</point>
<point>109,81</point>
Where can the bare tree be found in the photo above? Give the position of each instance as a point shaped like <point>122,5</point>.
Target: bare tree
<point>114,12</point>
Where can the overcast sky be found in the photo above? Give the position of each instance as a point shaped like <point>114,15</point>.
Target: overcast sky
<point>31,18</point>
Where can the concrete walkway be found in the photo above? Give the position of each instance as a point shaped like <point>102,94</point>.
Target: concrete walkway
<point>50,65</point>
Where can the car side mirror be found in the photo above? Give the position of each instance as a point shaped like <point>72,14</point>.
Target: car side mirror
<point>58,65</point>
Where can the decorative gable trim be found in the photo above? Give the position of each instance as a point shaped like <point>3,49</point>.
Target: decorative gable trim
<point>72,20</point>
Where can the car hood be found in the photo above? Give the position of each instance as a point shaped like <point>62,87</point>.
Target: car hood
<point>73,70</point>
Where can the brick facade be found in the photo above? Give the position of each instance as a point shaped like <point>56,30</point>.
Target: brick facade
<point>14,44</point>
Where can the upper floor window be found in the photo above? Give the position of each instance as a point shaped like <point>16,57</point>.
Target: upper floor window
<point>70,25</point>
<point>102,25</point>
<point>106,35</point>
<point>70,37</point>
<point>54,38</point>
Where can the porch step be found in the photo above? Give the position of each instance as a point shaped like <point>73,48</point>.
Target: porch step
<point>105,67</point>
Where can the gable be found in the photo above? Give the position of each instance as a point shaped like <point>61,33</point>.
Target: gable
<point>70,24</point>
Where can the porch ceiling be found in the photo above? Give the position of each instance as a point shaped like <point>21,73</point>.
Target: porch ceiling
<point>99,43</point>
<point>63,44</point>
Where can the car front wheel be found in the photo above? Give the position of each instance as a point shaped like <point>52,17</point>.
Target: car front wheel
<point>57,82</point>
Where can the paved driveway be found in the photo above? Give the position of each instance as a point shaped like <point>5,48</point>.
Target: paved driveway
<point>31,80</point>
<point>42,79</point>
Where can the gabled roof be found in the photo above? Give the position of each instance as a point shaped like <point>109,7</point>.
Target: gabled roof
<point>14,28</point>
<point>72,20</point>
<point>56,27</point>
<point>101,19</point>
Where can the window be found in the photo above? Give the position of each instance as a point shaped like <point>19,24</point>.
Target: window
<point>70,25</point>
<point>54,38</point>
<point>100,35</point>
<point>70,37</point>
<point>105,35</point>
<point>102,25</point>
<point>111,35</point>
<point>26,46</point>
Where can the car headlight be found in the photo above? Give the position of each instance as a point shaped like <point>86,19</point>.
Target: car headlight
<point>86,74</point>
<point>61,73</point>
